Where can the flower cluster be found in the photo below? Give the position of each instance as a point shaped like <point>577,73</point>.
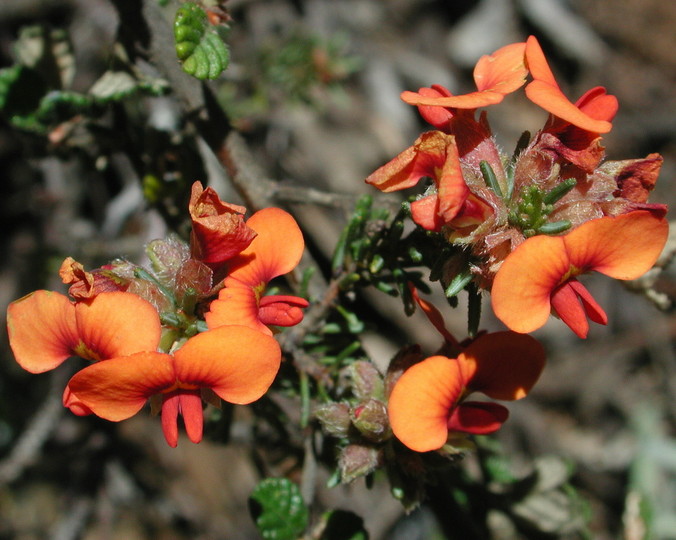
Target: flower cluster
<point>532,222</point>
<point>525,227</point>
<point>423,401</point>
<point>196,328</point>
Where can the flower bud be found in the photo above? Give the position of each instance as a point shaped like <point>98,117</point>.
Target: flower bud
<point>367,381</point>
<point>357,460</point>
<point>335,418</point>
<point>370,418</point>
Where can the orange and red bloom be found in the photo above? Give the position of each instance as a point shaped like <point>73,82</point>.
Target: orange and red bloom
<point>532,222</point>
<point>540,276</point>
<point>429,400</point>
<point>144,331</point>
<point>237,363</point>
<point>242,301</point>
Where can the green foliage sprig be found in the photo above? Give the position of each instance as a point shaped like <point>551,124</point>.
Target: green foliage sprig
<point>199,47</point>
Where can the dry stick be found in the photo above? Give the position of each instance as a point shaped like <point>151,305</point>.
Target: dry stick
<point>38,430</point>
<point>259,192</point>
<point>254,188</point>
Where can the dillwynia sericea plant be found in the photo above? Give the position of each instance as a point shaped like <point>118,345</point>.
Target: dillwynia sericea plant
<point>198,327</point>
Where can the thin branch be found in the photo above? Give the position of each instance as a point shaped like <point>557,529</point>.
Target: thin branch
<point>37,432</point>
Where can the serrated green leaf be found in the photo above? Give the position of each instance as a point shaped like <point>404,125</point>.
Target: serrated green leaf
<point>202,52</point>
<point>278,509</point>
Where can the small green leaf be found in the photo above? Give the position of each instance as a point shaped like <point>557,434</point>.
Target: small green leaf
<point>278,509</point>
<point>200,49</point>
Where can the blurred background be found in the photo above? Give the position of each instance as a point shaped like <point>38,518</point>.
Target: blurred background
<point>313,86</point>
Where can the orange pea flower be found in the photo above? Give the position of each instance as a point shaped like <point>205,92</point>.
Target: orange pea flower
<point>573,129</point>
<point>428,400</point>
<point>218,229</point>
<point>237,363</point>
<point>592,112</point>
<point>276,250</point>
<point>539,276</point>
<point>495,75</point>
<point>434,154</point>
<point>45,328</point>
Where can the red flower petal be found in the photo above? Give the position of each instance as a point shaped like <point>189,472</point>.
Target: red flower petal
<point>451,187</point>
<point>573,303</point>
<point>421,402</point>
<point>598,104</point>
<point>71,401</point>
<point>277,310</point>
<point>170,410</point>
<point>42,330</point>
<point>425,212</point>
<point>236,362</point>
<point>188,404</point>
<point>473,100</point>
<point>439,117</point>
<point>477,417</point>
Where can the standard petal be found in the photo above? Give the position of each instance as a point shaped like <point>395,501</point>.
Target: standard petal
<point>117,324</point>
<point>236,362</point>
<point>545,92</point>
<point>537,63</point>
<point>42,330</point>
<point>502,365</point>
<point>504,71</point>
<point>237,304</point>
<point>525,281</point>
<point>622,247</point>
<point>552,100</point>
<point>421,402</point>
<point>117,389</point>
<point>473,100</point>
<point>276,250</point>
